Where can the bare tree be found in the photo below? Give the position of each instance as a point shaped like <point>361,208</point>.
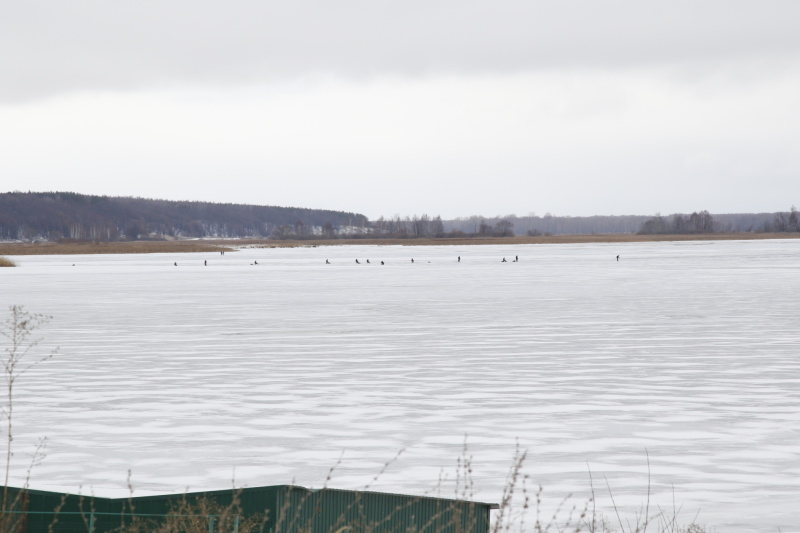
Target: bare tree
<point>284,231</point>
<point>794,223</point>
<point>504,228</point>
<point>437,227</point>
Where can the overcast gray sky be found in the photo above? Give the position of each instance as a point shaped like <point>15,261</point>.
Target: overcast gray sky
<point>456,108</point>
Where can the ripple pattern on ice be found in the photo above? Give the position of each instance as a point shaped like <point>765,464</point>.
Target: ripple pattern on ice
<point>194,375</point>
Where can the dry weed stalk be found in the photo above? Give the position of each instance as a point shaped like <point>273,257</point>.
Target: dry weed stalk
<point>200,516</point>
<point>663,521</point>
<point>19,330</point>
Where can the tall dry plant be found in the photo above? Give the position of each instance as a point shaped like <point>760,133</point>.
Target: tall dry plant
<point>199,516</point>
<point>18,357</point>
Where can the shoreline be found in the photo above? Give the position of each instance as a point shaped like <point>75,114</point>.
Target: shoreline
<point>232,245</point>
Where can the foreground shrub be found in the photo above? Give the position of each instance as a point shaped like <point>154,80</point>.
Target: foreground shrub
<point>200,516</point>
<point>6,262</point>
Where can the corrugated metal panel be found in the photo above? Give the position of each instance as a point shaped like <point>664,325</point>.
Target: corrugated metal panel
<point>331,511</point>
<point>40,510</point>
<point>281,509</point>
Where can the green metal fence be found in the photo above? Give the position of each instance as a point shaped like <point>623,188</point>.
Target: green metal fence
<point>94,522</point>
<point>272,509</point>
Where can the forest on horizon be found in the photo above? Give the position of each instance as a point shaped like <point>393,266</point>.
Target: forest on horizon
<point>58,216</point>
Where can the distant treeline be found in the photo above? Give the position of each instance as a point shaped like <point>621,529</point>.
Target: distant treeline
<point>698,222</point>
<point>426,226</point>
<point>704,222</point>
<point>544,225</point>
<point>55,216</point>
<point>678,224</point>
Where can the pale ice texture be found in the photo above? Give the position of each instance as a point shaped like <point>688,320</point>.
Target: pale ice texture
<point>202,376</point>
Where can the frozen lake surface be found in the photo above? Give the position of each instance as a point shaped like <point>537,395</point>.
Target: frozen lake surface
<point>192,376</point>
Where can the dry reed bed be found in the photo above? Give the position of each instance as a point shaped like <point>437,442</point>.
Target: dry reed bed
<point>188,246</point>
<point>90,248</point>
<point>6,262</point>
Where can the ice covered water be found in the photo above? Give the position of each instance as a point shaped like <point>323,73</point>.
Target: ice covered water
<point>194,375</point>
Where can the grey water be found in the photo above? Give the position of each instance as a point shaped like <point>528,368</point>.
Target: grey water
<point>672,374</point>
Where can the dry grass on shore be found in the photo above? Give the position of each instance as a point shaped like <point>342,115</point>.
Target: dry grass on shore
<point>6,262</point>
<point>209,245</point>
<point>135,247</point>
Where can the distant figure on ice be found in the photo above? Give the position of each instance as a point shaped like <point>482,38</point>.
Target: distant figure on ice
<point>617,258</point>
<point>516,258</point>
<point>504,260</point>
<point>176,264</point>
<point>205,262</point>
<point>459,258</point>
<point>367,261</point>
<point>412,259</point>
<point>381,262</point>
<point>357,262</point>
<point>327,262</point>
<point>256,262</point>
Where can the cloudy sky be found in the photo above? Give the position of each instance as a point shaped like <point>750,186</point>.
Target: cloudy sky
<point>457,108</point>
